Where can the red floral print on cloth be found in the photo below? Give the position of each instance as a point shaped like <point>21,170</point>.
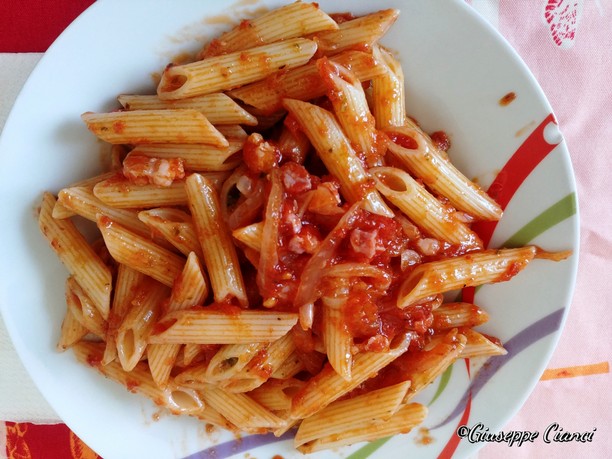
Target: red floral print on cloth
<point>562,17</point>
<point>43,441</point>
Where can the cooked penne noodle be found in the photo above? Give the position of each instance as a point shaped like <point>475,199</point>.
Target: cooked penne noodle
<point>230,360</point>
<point>289,21</point>
<point>220,254</point>
<point>139,253</point>
<point>276,394</point>
<point>346,94</point>
<point>415,151</point>
<point>344,415</point>
<point>402,422</point>
<point>336,337</point>
<point>82,308</point>
<point>218,108</point>
<point>60,211</point>
<point>83,202</point>
<point>77,255</point>
<point>261,366</point>
<point>455,315</point>
<point>209,326</point>
<point>336,153</point>
<point>127,282</point>
<point>189,289</point>
<point>177,400</point>
<point>327,386</point>
<point>241,410</point>
<point>196,157</point>
<point>72,331</point>
<point>121,193</point>
<point>154,126</point>
<point>190,352</point>
<point>388,99</point>
<point>229,71</point>
<point>138,322</point>
<point>302,83</point>
<point>250,235</point>
<point>479,345</point>
<point>423,367</point>
<point>469,270</point>
<point>175,226</point>
<point>362,32</point>
<point>428,213</point>
<point>289,368</point>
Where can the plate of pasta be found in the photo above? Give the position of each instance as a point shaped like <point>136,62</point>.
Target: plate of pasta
<point>277,229</point>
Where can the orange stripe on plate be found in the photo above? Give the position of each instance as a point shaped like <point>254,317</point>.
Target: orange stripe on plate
<point>571,372</point>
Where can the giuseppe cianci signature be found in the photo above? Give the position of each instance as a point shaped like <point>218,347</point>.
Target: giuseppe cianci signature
<point>554,433</point>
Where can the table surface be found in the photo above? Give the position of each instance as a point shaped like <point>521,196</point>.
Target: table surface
<point>568,47</point>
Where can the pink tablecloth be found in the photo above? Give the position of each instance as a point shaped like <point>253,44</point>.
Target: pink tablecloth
<point>568,46</point>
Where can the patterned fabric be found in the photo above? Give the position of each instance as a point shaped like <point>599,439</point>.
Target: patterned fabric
<point>568,46</point>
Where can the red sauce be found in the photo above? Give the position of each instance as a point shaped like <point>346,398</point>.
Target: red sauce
<point>440,140</point>
<point>94,360</point>
<point>403,140</point>
<point>342,17</point>
<point>162,326</point>
<point>507,99</point>
<point>258,366</point>
<point>118,127</point>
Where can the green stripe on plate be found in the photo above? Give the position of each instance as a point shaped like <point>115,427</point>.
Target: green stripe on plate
<point>562,209</point>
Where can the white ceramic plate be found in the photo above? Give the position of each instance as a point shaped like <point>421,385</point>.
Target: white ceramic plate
<point>457,68</point>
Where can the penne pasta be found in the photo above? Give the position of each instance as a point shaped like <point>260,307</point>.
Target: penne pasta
<point>422,208</point>
<point>402,422</point>
<point>479,345</point>
<point>139,253</point>
<point>121,193</point>
<point>222,73</point>
<point>83,202</point>
<point>196,157</point>
<point>250,235</point>
<point>241,410</point>
<point>456,315</point>
<point>289,21</point>
<point>465,271</point>
<point>82,308</point>
<point>189,289</point>
<point>177,400</point>
<point>327,386</point>
<point>154,126</point>
<point>219,251</point>
<point>134,330</point>
<point>388,99</point>
<point>127,284</point>
<point>359,33</point>
<point>210,326</point>
<point>77,255</point>
<point>218,108</point>
<point>423,367</point>
<point>345,415</point>
<point>336,337</point>
<point>175,226</point>
<point>72,331</point>
<point>415,151</point>
<point>261,366</point>
<point>348,98</point>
